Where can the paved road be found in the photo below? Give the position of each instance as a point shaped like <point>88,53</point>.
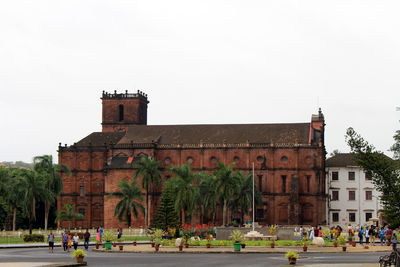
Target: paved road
<point>192,260</point>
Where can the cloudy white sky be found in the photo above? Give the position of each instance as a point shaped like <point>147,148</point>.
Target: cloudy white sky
<point>199,62</point>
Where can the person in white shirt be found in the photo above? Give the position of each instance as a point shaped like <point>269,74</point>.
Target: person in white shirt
<point>76,241</point>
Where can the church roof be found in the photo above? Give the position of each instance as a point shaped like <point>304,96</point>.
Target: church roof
<point>341,160</point>
<point>218,133</point>
<point>100,138</point>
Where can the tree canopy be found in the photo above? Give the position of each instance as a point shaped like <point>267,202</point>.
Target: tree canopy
<point>384,170</point>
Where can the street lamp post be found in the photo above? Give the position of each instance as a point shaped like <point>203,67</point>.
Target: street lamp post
<point>253,197</point>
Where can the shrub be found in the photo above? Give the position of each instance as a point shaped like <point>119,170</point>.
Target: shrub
<point>291,254</point>
<point>109,236</point>
<point>237,236</point>
<point>77,253</point>
<point>341,240</point>
<point>34,238</point>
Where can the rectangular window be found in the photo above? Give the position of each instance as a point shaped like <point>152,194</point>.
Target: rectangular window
<point>335,216</point>
<point>335,176</point>
<point>335,195</point>
<point>368,195</point>
<point>260,214</point>
<point>167,177</point>
<point>260,183</point>
<point>368,176</point>
<point>82,191</point>
<point>352,176</point>
<point>352,217</point>
<point>352,195</point>
<point>308,177</point>
<point>368,215</point>
<point>284,183</point>
<point>82,211</point>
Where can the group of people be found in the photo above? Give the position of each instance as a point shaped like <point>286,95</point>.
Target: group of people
<point>68,240</point>
<point>372,233</point>
<point>367,235</point>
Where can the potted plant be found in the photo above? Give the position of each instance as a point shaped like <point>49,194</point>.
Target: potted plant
<point>350,239</point>
<point>237,238</point>
<point>157,242</point>
<point>97,244</point>
<point>134,240</point>
<point>304,241</point>
<point>114,244</point>
<point>272,231</point>
<point>210,237</point>
<point>108,237</point>
<point>342,241</point>
<point>292,257</point>
<point>121,247</point>
<point>180,244</point>
<point>79,254</point>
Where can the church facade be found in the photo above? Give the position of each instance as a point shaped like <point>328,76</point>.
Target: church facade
<point>289,161</point>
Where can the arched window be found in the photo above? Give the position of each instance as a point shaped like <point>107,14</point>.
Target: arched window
<point>121,112</point>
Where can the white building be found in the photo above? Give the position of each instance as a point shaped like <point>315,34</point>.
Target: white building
<point>352,197</point>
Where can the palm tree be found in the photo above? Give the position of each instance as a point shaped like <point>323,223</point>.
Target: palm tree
<point>50,172</point>
<point>68,214</point>
<point>244,199</point>
<point>226,186</point>
<point>10,192</point>
<point>34,190</point>
<point>131,196</point>
<point>13,193</point>
<point>148,168</point>
<point>185,189</point>
<point>208,193</point>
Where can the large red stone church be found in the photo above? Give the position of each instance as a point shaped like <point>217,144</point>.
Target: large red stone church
<point>289,161</point>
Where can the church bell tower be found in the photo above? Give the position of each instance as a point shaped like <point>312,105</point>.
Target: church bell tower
<point>120,110</point>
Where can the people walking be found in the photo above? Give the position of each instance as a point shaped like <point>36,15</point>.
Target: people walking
<point>394,242</point>
<point>76,241</point>
<point>101,232</point>
<point>50,239</point>
<point>382,236</point>
<point>86,236</point>
<point>372,234</point>
<point>361,235</point>
<point>98,234</point>
<point>366,233</point>
<point>69,241</point>
<point>65,240</point>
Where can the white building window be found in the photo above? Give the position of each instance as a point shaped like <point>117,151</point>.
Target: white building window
<point>352,176</point>
<point>335,176</point>
<point>352,216</point>
<point>335,216</point>
<point>335,195</point>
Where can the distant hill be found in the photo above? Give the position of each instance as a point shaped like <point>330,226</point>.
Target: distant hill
<point>17,164</point>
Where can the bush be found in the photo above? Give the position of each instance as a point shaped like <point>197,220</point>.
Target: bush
<point>34,238</point>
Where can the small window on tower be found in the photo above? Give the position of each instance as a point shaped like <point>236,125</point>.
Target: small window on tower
<point>121,112</point>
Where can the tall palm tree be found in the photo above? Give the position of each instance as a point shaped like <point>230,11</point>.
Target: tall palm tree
<point>34,191</point>
<point>51,173</point>
<point>14,194</point>
<point>226,186</point>
<point>243,201</point>
<point>148,168</point>
<point>68,214</point>
<point>10,192</point>
<point>208,193</point>
<point>131,196</point>
<point>186,191</point>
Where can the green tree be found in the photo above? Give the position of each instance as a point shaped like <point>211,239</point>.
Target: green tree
<point>148,168</point>
<point>227,186</point>
<point>130,196</point>
<point>243,201</point>
<point>68,214</point>
<point>208,195</point>
<point>384,170</point>
<point>166,215</point>
<point>51,174</point>
<point>186,192</point>
<point>33,187</point>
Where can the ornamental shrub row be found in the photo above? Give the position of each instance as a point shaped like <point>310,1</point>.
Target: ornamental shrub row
<point>34,238</point>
